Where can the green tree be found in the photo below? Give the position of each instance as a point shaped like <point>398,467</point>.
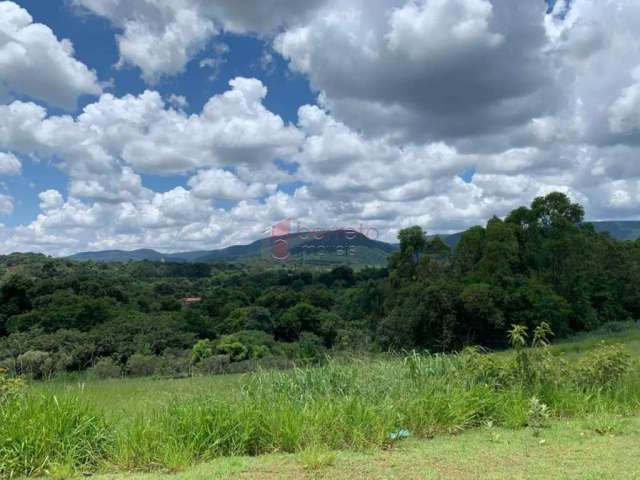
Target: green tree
<point>299,318</point>
<point>483,319</point>
<point>201,350</point>
<point>535,303</point>
<point>423,315</point>
<point>230,345</point>
<point>470,250</point>
<point>413,244</point>
<point>246,318</point>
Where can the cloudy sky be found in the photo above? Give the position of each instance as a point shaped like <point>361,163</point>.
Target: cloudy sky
<point>196,124</point>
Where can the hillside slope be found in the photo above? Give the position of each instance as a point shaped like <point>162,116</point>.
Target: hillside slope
<point>326,248</point>
<point>323,248</point>
<point>627,230</point>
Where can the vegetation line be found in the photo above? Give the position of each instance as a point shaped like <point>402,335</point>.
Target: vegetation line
<point>341,405</point>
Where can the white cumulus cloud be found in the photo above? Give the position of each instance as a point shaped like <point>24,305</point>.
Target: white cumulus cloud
<point>35,63</point>
<point>9,164</point>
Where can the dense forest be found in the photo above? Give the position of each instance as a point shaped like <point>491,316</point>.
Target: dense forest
<point>539,264</point>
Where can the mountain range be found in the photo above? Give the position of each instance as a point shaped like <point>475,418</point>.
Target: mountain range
<point>321,248</point>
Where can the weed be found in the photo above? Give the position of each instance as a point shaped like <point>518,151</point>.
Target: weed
<point>603,367</point>
<point>606,424</point>
<point>538,415</point>
<point>316,458</point>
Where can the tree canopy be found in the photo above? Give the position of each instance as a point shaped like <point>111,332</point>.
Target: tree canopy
<point>540,264</point>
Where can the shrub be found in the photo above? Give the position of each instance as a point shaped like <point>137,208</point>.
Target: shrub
<point>602,367</point>
<point>485,369</point>
<point>259,351</point>
<point>140,365</point>
<point>175,364</point>
<point>39,365</point>
<point>538,414</point>
<point>107,368</point>
<point>9,366</point>
<point>533,365</point>
<point>244,366</point>
<point>259,344</point>
<point>9,387</point>
<point>615,327</point>
<point>214,365</point>
<point>352,339</point>
<point>230,345</point>
<point>201,350</point>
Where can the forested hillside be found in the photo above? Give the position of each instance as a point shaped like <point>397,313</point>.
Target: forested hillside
<point>540,264</point>
<point>321,248</point>
<point>326,248</point>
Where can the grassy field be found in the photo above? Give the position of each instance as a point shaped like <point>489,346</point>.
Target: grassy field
<point>592,448</point>
<point>123,399</point>
<point>572,409</point>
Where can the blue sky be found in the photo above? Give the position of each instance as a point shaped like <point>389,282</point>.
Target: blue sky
<point>190,124</point>
<point>94,42</point>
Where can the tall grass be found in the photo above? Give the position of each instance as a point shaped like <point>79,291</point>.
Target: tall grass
<point>40,433</point>
<point>352,405</point>
<point>355,406</point>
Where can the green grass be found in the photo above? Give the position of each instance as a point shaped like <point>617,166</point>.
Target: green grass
<point>629,335</point>
<point>566,450</point>
<point>127,397</point>
<point>353,406</point>
<point>38,433</point>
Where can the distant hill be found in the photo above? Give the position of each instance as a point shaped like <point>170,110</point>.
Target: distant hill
<point>119,256</point>
<point>451,239</point>
<point>323,248</point>
<point>326,248</point>
<point>622,230</point>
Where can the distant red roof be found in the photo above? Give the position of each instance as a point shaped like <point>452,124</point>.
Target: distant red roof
<point>191,299</point>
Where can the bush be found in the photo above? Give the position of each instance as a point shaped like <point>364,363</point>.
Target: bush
<point>140,365</point>
<point>213,365</point>
<point>39,365</point>
<point>538,414</point>
<point>602,367</point>
<point>352,340</point>
<point>616,327</point>
<point>485,369</point>
<point>201,350</point>
<point>9,387</point>
<point>244,366</point>
<point>259,344</point>
<point>230,345</point>
<point>175,364</point>
<point>107,368</point>
<point>9,366</point>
